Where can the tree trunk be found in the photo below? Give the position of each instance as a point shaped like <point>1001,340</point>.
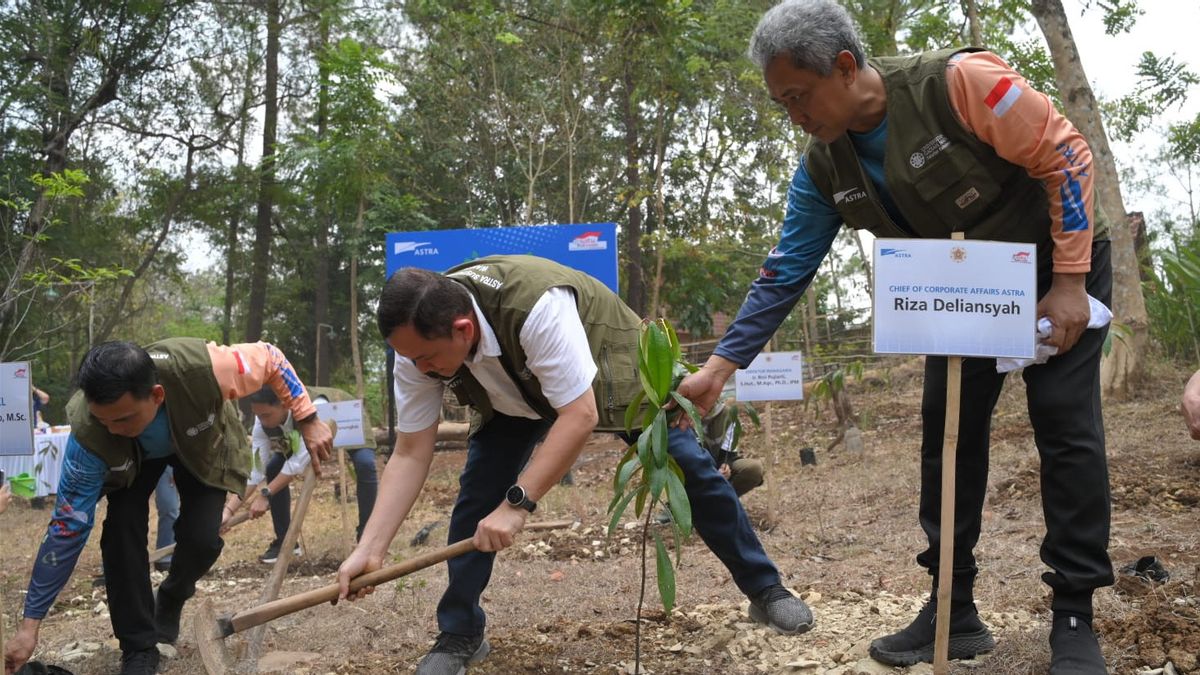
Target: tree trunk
<point>360,389</point>
<point>972,11</point>
<point>322,348</point>
<point>261,261</point>
<point>1122,368</point>
<point>635,290</point>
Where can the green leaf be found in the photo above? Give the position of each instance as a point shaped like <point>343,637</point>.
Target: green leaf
<point>658,362</point>
<point>681,508</point>
<point>658,438</point>
<point>666,574</point>
<point>619,511</point>
<point>690,408</point>
<point>632,410</point>
<point>625,470</point>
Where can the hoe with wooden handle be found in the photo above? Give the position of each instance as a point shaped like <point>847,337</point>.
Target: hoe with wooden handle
<point>209,631</point>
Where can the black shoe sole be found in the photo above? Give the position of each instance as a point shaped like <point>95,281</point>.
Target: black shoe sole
<point>962,646</point>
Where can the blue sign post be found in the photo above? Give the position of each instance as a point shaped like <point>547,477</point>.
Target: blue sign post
<point>589,248</point>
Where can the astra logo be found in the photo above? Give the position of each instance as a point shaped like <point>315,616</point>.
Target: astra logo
<point>414,247</point>
<point>852,195</point>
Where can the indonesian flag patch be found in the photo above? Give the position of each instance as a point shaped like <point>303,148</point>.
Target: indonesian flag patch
<point>1003,96</point>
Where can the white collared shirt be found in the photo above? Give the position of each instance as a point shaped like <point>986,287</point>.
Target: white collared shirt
<point>557,354</point>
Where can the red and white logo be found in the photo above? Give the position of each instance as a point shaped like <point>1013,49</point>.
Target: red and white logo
<point>588,241</point>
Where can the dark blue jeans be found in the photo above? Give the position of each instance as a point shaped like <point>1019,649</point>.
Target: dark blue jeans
<point>366,480</point>
<point>495,456</point>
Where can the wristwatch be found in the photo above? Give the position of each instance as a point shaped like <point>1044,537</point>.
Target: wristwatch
<point>516,497</point>
<point>265,492</point>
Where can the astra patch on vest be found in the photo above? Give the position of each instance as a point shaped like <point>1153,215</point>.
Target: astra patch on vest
<point>931,149</point>
<point>849,196</point>
<point>1003,96</point>
<point>964,200</point>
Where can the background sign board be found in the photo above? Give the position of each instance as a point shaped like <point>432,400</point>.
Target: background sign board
<point>955,297</point>
<point>16,409</point>
<point>590,248</point>
<point>772,376</point>
<point>349,417</point>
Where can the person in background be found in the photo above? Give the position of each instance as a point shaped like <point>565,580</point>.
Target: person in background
<point>122,439</point>
<point>921,146</point>
<point>40,400</point>
<point>275,458</point>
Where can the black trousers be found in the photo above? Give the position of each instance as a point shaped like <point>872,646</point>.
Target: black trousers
<point>127,562</point>
<point>1063,398</point>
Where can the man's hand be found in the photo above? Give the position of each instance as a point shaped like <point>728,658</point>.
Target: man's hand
<point>498,530</point>
<point>1191,405</point>
<point>360,562</point>
<point>1066,305</point>
<point>259,506</point>
<point>20,646</point>
<point>319,441</point>
<point>703,387</point>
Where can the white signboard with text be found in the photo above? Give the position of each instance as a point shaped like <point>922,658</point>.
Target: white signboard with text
<point>772,376</point>
<point>16,409</point>
<point>955,297</point>
<point>348,415</point>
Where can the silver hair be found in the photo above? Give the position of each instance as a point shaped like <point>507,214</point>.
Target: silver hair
<point>812,32</point>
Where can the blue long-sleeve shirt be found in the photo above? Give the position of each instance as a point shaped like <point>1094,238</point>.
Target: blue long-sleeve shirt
<point>809,228</point>
<point>79,490</point>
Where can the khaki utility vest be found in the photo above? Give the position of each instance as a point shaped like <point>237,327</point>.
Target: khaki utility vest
<point>206,428</point>
<point>506,288</point>
<point>941,177</point>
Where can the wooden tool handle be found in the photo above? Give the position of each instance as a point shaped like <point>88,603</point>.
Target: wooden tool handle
<point>294,603</point>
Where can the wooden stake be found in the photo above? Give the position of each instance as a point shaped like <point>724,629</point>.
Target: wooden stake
<point>275,582</point>
<point>941,639</point>
<point>346,538</point>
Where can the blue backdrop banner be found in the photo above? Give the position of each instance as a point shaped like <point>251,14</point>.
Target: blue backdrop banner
<point>590,247</point>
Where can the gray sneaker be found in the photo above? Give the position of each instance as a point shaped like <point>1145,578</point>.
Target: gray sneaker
<point>783,612</point>
<point>452,653</point>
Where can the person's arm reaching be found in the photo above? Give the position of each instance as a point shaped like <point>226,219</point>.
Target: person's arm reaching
<point>402,480</point>
<point>79,489</point>
<point>243,369</point>
<point>809,228</point>
<point>997,105</point>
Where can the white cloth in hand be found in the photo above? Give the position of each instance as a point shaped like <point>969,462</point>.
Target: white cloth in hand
<point>1100,317</point>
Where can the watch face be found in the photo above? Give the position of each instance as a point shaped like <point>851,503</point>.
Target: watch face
<point>515,495</point>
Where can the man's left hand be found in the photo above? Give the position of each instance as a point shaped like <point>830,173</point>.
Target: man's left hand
<point>319,441</point>
<point>498,530</point>
<point>1066,305</point>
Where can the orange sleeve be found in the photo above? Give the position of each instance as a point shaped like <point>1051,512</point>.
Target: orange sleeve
<point>1022,125</point>
<point>243,369</point>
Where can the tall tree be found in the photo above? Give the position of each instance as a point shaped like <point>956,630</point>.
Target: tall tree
<point>1122,368</point>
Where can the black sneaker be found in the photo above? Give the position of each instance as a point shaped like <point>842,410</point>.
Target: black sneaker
<point>914,644</point>
<point>783,612</point>
<point>272,553</point>
<point>140,662</point>
<point>452,653</point>
<point>166,618</point>
<point>1074,649</point>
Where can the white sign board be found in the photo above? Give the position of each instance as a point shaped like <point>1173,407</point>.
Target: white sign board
<point>349,417</point>
<point>16,409</point>
<point>955,297</point>
<point>772,376</point>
